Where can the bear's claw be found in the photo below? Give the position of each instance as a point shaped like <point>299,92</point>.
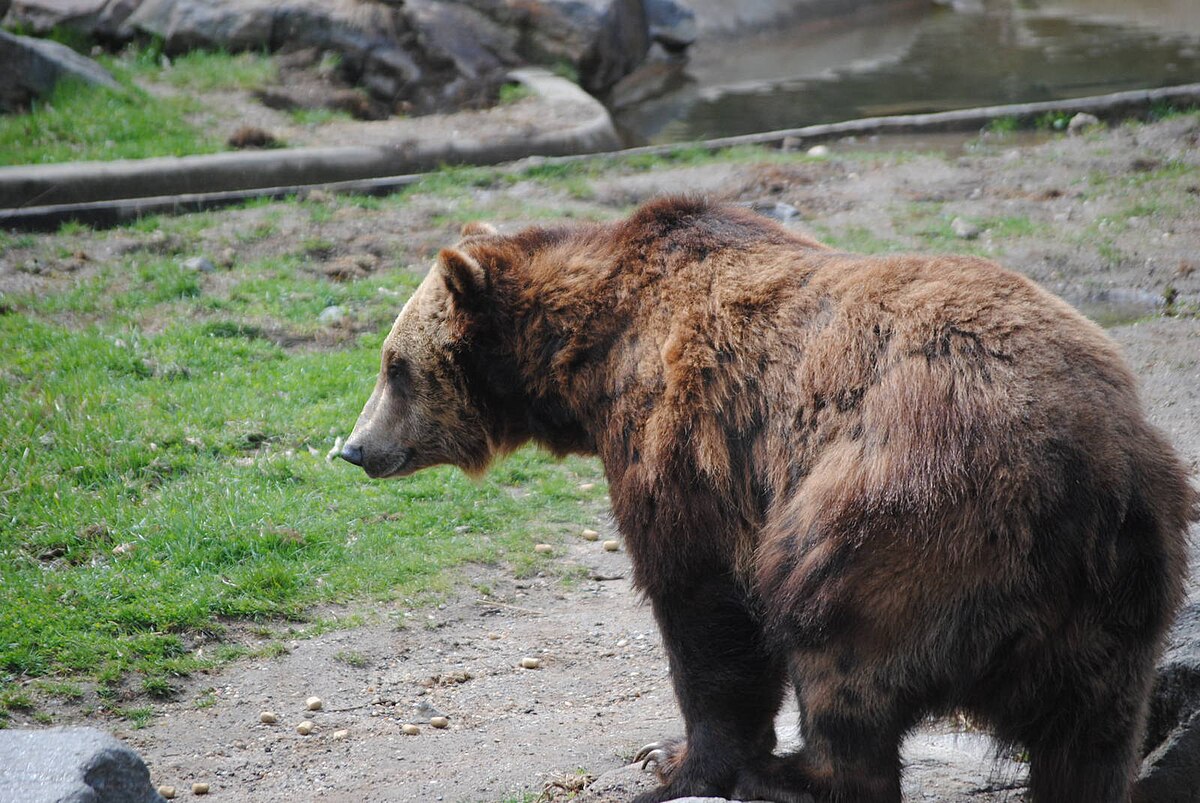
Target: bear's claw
<point>653,753</point>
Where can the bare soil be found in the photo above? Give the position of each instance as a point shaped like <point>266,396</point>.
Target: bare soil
<point>1111,220</point>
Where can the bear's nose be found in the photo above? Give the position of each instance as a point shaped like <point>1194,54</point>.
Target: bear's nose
<point>352,454</point>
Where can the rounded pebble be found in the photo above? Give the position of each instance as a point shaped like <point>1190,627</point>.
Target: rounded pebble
<point>167,791</point>
<point>543,548</point>
<point>587,486</point>
<point>818,150</point>
<point>590,535</point>
<point>342,734</point>
<point>439,722</point>
<point>531,663</point>
<point>306,727</point>
<point>313,703</point>
<point>409,729</point>
<point>268,718</point>
<point>199,789</point>
<point>611,546</point>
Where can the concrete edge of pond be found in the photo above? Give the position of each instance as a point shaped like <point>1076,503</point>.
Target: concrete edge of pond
<point>83,183</point>
<point>282,173</point>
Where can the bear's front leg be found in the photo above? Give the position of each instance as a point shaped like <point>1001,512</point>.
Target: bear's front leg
<point>728,685</point>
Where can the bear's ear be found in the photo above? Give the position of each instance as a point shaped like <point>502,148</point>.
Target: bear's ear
<point>464,276</point>
<point>477,227</point>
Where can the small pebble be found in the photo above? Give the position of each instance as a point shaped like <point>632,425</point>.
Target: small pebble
<point>268,718</point>
<point>818,150</point>
<point>439,722</point>
<point>199,789</point>
<point>306,727</point>
<point>586,486</point>
<point>199,264</point>
<point>611,546</point>
<point>342,734</point>
<point>964,229</point>
<point>590,535</point>
<point>167,791</point>
<point>313,703</point>
<point>543,549</point>
<point>531,663</point>
<point>409,729</point>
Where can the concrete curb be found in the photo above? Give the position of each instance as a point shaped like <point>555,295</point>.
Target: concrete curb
<point>350,169</point>
<point>88,182</point>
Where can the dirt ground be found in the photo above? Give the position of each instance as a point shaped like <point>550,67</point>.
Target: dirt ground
<point>1111,220</point>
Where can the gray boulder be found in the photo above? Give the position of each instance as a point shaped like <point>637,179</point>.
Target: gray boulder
<point>71,765</point>
<point>1170,772</point>
<point>103,19</point>
<point>29,68</point>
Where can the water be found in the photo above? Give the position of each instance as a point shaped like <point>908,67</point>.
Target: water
<point>932,59</point>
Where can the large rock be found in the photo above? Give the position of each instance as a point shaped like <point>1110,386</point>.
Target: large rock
<point>71,765</point>
<point>1171,770</point>
<point>102,19</point>
<point>29,68</point>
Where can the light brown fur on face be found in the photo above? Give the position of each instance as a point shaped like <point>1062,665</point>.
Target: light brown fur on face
<point>903,485</point>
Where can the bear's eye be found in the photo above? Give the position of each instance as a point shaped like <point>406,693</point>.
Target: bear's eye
<point>397,371</point>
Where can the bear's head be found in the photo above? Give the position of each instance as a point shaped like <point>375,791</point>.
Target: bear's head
<point>423,412</point>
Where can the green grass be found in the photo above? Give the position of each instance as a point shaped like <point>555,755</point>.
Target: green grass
<point>163,474</point>
<point>82,122</point>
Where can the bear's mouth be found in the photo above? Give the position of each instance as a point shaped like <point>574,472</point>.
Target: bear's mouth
<point>403,464</point>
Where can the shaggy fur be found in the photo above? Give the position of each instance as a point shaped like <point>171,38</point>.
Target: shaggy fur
<point>902,485</point>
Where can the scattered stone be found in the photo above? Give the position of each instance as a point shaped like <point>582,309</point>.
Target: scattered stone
<point>777,210</point>
<point>167,791</point>
<point>313,703</point>
<point>341,734</point>
<point>305,728</point>
<point>199,788</point>
<point>425,712</point>
<point>818,150</point>
<point>964,229</point>
<point>1081,122</point>
<point>590,535</point>
<point>249,136</point>
<point>531,663</point>
<point>440,722</point>
<point>543,549</point>
<point>268,718</point>
<point>199,264</point>
<point>71,764</point>
<point>332,315</point>
<point>611,546</point>
<point>586,486</point>
<point>408,729</point>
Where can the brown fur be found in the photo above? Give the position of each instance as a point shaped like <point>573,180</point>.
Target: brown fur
<point>908,484</point>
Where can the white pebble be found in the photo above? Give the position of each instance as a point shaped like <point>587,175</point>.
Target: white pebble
<point>268,718</point>
<point>590,535</point>
<point>818,150</point>
<point>543,549</point>
<point>409,729</point>
<point>531,663</point>
<point>167,791</point>
<point>199,789</point>
<point>611,546</point>
<point>306,727</point>
<point>586,486</point>
<point>342,734</point>
<point>313,703</point>
<point>439,722</point>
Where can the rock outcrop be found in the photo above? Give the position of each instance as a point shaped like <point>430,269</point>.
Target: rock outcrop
<point>71,765</point>
<point>413,55</point>
<point>30,68</point>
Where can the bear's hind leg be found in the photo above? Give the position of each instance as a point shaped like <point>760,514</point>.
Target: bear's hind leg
<point>729,687</point>
<point>852,721</point>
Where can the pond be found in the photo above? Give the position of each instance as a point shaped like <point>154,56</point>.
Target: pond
<point>933,58</point>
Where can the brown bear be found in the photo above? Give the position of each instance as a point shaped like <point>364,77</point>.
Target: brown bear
<point>904,485</point>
